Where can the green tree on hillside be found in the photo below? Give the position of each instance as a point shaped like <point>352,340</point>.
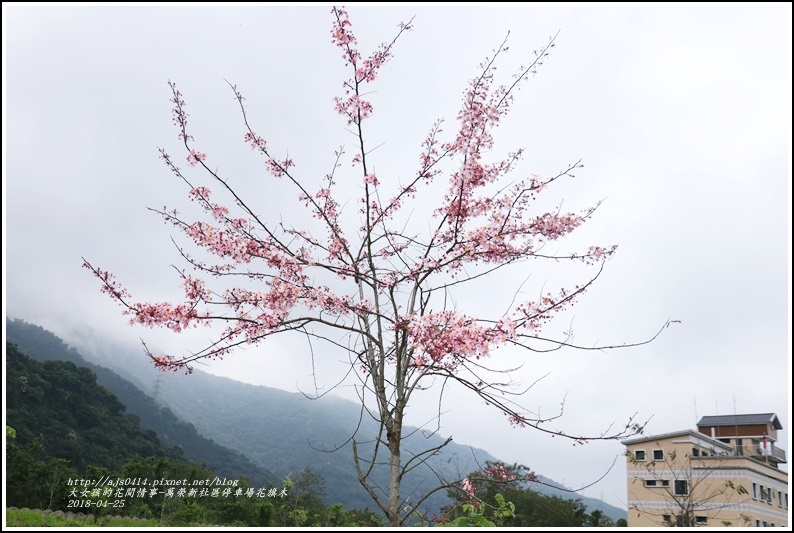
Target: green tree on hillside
<point>489,490</point>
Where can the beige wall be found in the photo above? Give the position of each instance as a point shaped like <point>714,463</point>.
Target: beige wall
<point>720,486</point>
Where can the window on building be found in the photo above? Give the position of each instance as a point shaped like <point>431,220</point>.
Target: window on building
<point>639,455</point>
<point>761,493</point>
<point>701,520</point>
<point>658,455</point>
<point>769,495</point>
<point>785,498</point>
<point>779,499</point>
<point>650,483</point>
<point>665,482</point>
<point>695,452</point>
<point>666,518</point>
<point>739,448</point>
<point>681,487</point>
<point>757,523</point>
<point>764,523</point>
<point>755,491</point>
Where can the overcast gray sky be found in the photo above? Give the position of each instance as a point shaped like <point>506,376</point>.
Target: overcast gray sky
<point>681,115</point>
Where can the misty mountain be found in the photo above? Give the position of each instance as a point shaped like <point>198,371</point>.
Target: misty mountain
<point>285,432</point>
<point>41,345</point>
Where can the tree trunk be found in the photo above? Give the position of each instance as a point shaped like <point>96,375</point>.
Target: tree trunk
<point>393,435</point>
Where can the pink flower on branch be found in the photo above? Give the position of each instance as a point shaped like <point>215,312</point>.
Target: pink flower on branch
<point>340,32</point>
<point>195,289</point>
<point>256,142</point>
<point>470,491</point>
<point>342,37</point>
<point>279,168</point>
<point>468,487</point>
<point>173,317</point>
<point>447,338</point>
<point>109,284</point>
<point>179,114</point>
<point>499,473</point>
<point>194,157</point>
<point>354,108</point>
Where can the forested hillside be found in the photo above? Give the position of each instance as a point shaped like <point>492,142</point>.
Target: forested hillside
<point>65,433</point>
<point>172,432</point>
<point>82,421</point>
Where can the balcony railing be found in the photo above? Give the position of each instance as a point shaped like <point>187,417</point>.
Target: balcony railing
<point>753,449</point>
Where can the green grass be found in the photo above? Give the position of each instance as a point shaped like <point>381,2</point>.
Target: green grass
<point>36,518</point>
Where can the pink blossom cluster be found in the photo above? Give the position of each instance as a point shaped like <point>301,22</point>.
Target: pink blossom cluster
<point>354,108</point>
<point>219,212</point>
<point>446,338</point>
<point>435,518</point>
<point>552,226</point>
<point>226,244</point>
<point>495,229</point>
<point>179,115</point>
<point>110,286</point>
<point>481,111</point>
<point>470,489</point>
<point>342,36</point>
<point>532,315</point>
<point>194,157</point>
<point>195,289</point>
<point>167,363</point>
<point>352,105</point>
<point>372,64</point>
<point>260,313</point>
<point>173,317</point>
<point>336,305</point>
<point>430,155</point>
<point>498,472</point>
<point>278,168</point>
<point>324,207</point>
<point>199,193</point>
<point>478,226</point>
<point>597,253</point>
<point>256,142</point>
<point>516,420</point>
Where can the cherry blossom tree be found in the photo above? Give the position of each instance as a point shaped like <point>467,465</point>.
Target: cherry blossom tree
<point>383,289</point>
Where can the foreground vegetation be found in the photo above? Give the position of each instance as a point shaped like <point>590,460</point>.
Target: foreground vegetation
<point>38,518</point>
<point>50,483</point>
<point>501,495</point>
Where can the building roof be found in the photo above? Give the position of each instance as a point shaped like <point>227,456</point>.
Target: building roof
<point>741,420</point>
<point>695,435</point>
